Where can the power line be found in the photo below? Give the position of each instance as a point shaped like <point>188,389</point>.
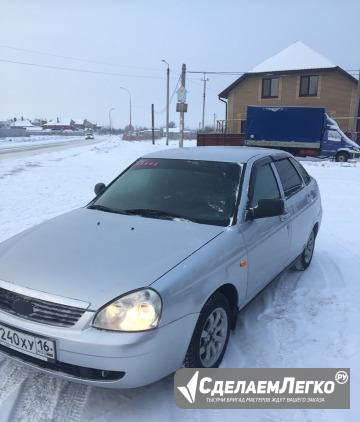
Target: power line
<point>171,97</point>
<point>42,53</point>
<point>72,69</point>
<point>215,73</point>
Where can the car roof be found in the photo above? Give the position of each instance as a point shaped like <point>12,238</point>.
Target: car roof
<point>236,154</point>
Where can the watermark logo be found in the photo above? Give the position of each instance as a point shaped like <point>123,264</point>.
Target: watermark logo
<point>189,391</point>
<point>262,388</point>
<point>341,377</point>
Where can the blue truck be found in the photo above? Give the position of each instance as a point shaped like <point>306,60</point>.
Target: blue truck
<point>303,131</point>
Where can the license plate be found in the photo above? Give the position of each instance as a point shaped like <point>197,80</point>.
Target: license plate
<point>38,347</point>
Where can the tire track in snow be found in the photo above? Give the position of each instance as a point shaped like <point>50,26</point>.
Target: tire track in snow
<point>72,400</point>
<point>44,398</point>
<point>283,326</point>
<point>11,376</point>
<point>37,399</point>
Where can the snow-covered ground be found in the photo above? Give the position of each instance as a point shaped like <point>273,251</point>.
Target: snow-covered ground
<point>308,319</point>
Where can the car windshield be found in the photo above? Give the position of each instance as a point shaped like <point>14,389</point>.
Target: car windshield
<point>200,191</point>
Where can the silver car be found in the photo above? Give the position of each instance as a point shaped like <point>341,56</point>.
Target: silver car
<point>151,274</point>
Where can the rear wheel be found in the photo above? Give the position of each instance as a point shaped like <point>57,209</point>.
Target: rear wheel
<point>211,334</point>
<point>342,157</point>
<point>305,258</point>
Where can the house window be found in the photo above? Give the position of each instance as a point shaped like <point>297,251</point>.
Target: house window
<point>309,86</point>
<point>270,88</point>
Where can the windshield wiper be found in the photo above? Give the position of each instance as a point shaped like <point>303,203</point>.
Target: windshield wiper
<point>143,212</point>
<point>147,212</point>
<point>106,209</point>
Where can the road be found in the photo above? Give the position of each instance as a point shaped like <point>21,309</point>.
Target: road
<point>19,150</point>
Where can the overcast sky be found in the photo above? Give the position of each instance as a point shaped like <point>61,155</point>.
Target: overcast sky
<point>130,37</point>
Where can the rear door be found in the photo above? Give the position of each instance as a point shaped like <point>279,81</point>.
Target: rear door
<point>267,239</point>
<point>298,200</point>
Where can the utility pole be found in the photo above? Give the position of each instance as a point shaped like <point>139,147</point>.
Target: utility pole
<point>167,99</point>
<point>110,123</point>
<point>204,97</point>
<point>125,89</point>
<point>130,111</point>
<point>152,124</point>
<point>182,114</point>
<point>356,111</point>
<point>214,122</point>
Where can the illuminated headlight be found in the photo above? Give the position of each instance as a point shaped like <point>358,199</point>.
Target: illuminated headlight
<point>136,311</point>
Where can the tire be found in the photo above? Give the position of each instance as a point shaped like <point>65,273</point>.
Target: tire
<point>304,260</point>
<point>210,338</point>
<point>342,157</point>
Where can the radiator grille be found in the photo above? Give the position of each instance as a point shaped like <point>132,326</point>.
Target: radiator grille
<point>39,310</point>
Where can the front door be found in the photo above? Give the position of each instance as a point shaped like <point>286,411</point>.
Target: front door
<point>331,143</point>
<point>267,239</point>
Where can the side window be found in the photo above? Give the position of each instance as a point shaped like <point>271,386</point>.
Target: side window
<point>334,135</point>
<point>303,173</point>
<point>289,177</point>
<point>265,185</point>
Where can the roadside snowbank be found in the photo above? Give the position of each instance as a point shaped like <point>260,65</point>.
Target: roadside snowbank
<point>9,142</point>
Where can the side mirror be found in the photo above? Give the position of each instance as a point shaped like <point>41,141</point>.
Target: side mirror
<point>266,208</point>
<point>99,188</point>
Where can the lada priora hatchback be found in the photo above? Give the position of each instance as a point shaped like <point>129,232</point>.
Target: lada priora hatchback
<point>151,274</point>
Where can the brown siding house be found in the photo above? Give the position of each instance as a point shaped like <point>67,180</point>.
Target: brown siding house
<point>328,86</point>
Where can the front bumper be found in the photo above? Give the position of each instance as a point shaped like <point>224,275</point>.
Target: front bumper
<point>138,358</point>
<point>354,154</point>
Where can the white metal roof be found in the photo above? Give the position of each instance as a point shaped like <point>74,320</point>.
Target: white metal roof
<point>61,122</point>
<point>296,56</point>
<point>21,123</point>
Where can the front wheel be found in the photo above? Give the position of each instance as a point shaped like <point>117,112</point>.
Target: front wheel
<point>211,334</point>
<point>342,157</point>
<point>305,258</point>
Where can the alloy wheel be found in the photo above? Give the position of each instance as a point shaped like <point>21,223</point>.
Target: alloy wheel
<point>213,337</point>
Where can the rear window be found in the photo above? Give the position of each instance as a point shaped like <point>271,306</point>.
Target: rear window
<point>303,173</point>
<point>289,177</point>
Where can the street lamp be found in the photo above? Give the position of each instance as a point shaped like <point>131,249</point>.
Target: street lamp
<point>125,89</point>
<point>167,99</point>
<point>110,119</point>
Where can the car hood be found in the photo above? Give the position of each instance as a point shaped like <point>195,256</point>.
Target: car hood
<point>95,256</point>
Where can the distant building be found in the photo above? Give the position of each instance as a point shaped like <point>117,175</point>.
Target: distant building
<point>129,128</point>
<point>78,124</point>
<point>297,76</point>
<point>38,122</point>
<point>5,123</point>
<point>20,123</point>
<point>59,124</point>
<point>69,124</point>
<point>89,125</point>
